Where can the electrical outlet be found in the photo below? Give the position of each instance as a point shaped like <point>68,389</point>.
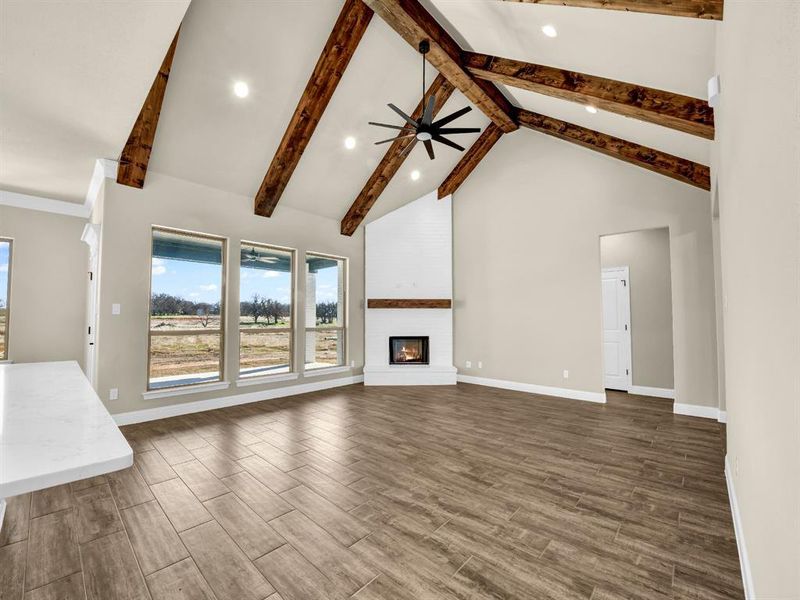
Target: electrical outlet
<point>736,466</point>
<point>566,374</point>
<point>113,394</point>
<point>468,364</point>
<point>116,309</point>
<point>480,365</point>
<point>352,364</point>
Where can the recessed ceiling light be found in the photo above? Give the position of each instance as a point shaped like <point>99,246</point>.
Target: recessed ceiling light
<point>591,109</point>
<point>414,175</point>
<point>549,31</point>
<point>241,89</point>
<point>350,142</point>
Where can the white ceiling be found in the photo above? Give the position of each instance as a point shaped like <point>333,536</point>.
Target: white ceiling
<point>669,53</point>
<point>74,76</point>
<point>209,136</point>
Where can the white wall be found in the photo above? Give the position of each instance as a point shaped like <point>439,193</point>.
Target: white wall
<point>408,254</point>
<point>128,216</point>
<point>48,286</point>
<point>646,254</point>
<point>528,302</point>
<point>757,167</point>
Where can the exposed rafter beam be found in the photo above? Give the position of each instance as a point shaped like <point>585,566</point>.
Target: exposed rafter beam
<point>690,115</point>
<point>470,160</point>
<point>699,9</point>
<point>338,50</point>
<point>654,160</point>
<point>135,155</point>
<point>391,162</point>
<point>414,24</point>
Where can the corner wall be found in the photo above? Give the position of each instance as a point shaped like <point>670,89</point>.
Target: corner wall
<point>757,168</point>
<point>48,285</point>
<point>527,227</point>
<point>127,218</point>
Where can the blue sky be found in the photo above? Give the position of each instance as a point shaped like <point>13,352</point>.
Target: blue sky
<point>3,272</point>
<point>200,282</point>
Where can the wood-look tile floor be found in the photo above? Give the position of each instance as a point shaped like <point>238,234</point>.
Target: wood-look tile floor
<point>366,493</point>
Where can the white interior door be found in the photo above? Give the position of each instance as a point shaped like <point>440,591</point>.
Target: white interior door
<point>616,329</point>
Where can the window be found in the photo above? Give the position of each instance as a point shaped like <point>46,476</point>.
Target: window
<point>266,316</point>
<point>5,295</point>
<point>326,320</point>
<point>187,309</point>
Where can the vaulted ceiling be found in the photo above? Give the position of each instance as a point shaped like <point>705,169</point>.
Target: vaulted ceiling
<point>207,135</point>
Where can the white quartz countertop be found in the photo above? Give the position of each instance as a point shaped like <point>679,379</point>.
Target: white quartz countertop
<point>54,429</point>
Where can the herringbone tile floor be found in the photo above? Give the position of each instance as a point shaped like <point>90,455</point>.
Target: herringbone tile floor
<point>453,492</point>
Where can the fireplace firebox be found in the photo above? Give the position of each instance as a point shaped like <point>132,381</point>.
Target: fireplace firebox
<point>408,350</point>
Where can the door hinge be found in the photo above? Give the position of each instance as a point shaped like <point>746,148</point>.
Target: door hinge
<point>627,372</point>
<point>91,276</point>
<point>626,327</point>
<point>90,330</point>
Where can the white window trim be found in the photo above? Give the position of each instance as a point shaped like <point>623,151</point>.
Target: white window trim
<point>248,381</point>
<point>326,371</point>
<point>186,390</point>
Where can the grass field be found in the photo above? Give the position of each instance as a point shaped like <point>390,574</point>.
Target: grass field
<point>259,345</point>
<point>2,333</point>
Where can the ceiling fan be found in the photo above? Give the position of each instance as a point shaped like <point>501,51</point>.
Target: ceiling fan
<point>254,257</point>
<point>426,130</point>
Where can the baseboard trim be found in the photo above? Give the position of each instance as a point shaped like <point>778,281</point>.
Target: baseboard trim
<point>744,560</point>
<point>532,388</point>
<point>643,390</point>
<point>704,412</point>
<point>185,408</point>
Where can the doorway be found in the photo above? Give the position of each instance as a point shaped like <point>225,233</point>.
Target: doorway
<point>637,312</point>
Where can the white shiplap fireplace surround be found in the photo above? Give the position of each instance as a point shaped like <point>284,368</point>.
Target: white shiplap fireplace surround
<point>409,255</point>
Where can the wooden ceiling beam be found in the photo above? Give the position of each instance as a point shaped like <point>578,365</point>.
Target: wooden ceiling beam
<point>392,161</point>
<point>470,160</point>
<point>681,169</point>
<point>683,113</point>
<point>698,9</point>
<point>414,24</point>
<point>135,156</point>
<point>338,50</point>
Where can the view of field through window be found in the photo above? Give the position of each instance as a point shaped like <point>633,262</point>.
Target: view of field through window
<point>265,310</point>
<point>187,308</point>
<point>325,305</point>
<point>5,289</point>
<point>186,300</point>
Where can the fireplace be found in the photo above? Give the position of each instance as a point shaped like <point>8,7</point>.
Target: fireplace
<point>408,350</point>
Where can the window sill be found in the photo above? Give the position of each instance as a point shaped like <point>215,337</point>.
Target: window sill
<point>248,381</point>
<point>326,371</point>
<point>6,362</point>
<point>185,390</point>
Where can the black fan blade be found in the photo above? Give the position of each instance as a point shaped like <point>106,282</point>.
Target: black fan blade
<point>404,115</point>
<point>399,137</point>
<point>451,130</point>
<point>447,142</point>
<point>427,116</point>
<point>391,126</point>
<point>451,117</point>
<point>429,148</point>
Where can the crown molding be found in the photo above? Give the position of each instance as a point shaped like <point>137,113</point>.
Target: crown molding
<point>103,169</point>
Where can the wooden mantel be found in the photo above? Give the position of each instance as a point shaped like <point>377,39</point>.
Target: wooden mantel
<point>409,303</point>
